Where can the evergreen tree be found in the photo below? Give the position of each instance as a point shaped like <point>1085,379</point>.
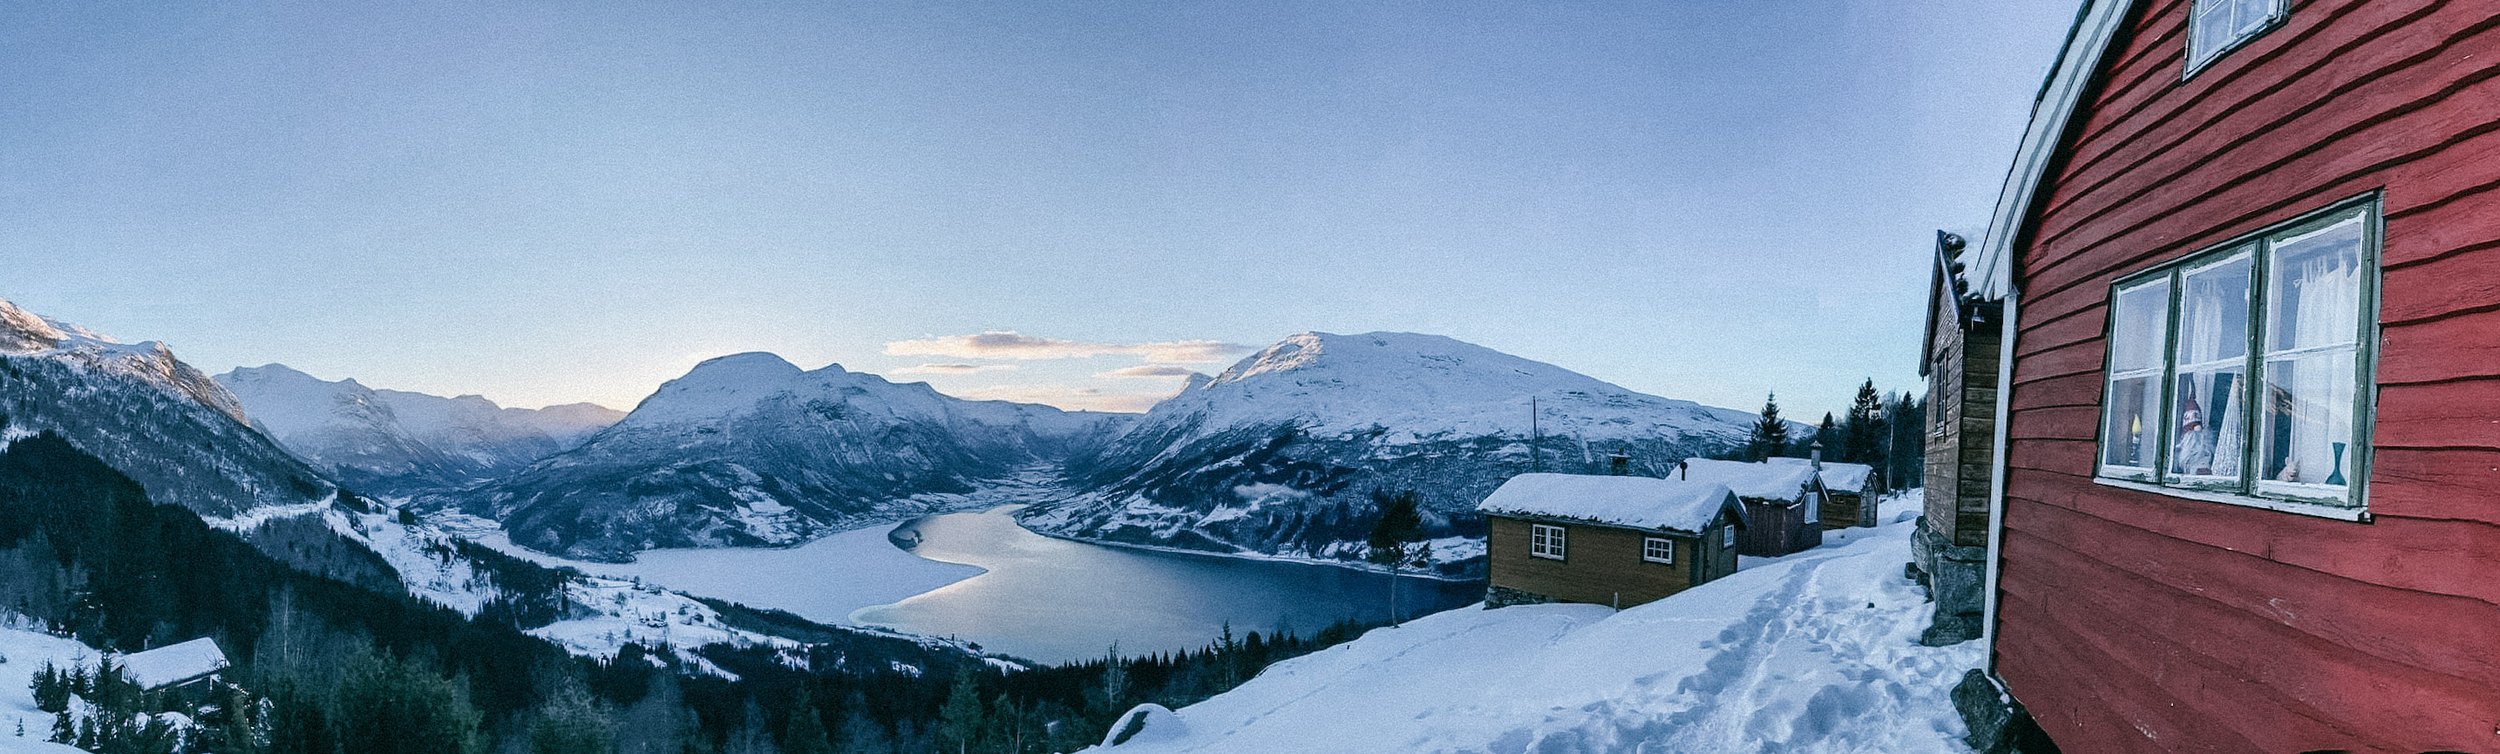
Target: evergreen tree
<point>805,734</point>
<point>962,717</point>
<point>1826,432</point>
<point>395,706</point>
<point>1770,433</point>
<point>1392,539</point>
<point>750,737</point>
<point>1863,442</point>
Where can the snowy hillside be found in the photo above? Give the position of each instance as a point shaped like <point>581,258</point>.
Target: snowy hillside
<point>1816,652</point>
<point>147,414</point>
<point>24,650</point>
<point>393,442</point>
<point>751,450</point>
<point>1280,453</point>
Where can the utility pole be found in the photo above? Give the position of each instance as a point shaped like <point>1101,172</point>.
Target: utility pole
<point>1536,437</point>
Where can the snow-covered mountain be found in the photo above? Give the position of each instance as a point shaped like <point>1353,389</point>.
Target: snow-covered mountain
<point>147,414</point>
<point>749,449</point>
<point>1281,453</point>
<point>393,442</point>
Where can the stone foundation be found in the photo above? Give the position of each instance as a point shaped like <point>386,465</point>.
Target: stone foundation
<point>1956,581</point>
<point>1502,596</point>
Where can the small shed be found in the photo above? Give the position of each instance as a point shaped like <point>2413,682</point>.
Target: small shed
<point>1783,502</point>
<point>1850,491</point>
<point>188,668</point>
<point>1607,540</point>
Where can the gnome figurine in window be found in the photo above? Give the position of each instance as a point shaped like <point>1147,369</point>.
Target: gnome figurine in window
<point>2193,453</point>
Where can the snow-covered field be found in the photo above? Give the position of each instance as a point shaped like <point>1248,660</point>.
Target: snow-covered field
<point>22,652</point>
<point>1814,652</point>
<point>824,581</point>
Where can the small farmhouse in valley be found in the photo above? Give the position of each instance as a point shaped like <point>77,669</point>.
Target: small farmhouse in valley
<point>1607,540</point>
<point>1850,491</point>
<point>2249,254</point>
<point>188,669</point>
<point>1783,502</point>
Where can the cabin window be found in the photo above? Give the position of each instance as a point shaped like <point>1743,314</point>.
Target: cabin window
<point>1657,550</point>
<point>1545,541</point>
<point>2238,370</point>
<point>1727,536</point>
<point>2217,26</point>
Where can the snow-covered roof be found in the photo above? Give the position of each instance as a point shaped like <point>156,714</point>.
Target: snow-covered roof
<point>1846,477</point>
<point>1771,481</point>
<point>172,664</point>
<point>1631,501</point>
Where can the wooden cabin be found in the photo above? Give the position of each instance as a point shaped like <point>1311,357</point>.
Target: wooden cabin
<point>2251,250</point>
<point>1783,502</point>
<point>1606,540</point>
<point>188,670</point>
<point>1948,550</point>
<point>1851,491</point>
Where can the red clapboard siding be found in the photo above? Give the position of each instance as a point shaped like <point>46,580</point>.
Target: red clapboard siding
<point>2134,621</point>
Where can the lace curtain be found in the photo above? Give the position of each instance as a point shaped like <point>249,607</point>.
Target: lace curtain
<point>2314,313</point>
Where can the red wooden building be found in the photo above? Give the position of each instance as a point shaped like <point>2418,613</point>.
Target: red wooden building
<point>2247,470</point>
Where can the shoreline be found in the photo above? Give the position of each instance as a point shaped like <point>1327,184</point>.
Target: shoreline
<point>1258,556</point>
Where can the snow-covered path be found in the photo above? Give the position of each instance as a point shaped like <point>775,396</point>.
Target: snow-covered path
<point>1813,652</point>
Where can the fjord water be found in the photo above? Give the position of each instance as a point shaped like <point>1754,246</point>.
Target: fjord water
<point>1055,600</point>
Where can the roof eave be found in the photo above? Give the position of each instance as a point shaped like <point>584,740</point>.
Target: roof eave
<point>2097,24</point>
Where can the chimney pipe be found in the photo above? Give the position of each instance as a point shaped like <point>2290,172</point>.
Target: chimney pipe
<point>1816,458</point>
<point>1619,464</point>
<point>1684,469</point>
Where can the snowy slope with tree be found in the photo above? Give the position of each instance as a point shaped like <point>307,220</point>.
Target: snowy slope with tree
<point>1815,652</point>
<point>392,442</point>
<point>1281,453</point>
<point>749,450</point>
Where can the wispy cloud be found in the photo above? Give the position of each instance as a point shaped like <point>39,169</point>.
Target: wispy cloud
<point>1071,397</point>
<point>1147,371</point>
<point>944,369</point>
<point>1008,344</point>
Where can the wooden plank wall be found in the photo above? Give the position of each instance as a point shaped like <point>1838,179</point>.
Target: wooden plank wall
<point>2140,622</point>
<point>1602,565</point>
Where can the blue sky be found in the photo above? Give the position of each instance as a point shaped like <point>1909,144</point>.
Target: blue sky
<point>551,202</point>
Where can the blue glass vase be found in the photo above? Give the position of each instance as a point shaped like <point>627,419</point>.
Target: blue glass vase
<point>2337,476</point>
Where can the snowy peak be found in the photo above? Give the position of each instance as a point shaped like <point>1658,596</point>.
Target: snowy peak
<point>392,441</point>
<point>25,333</point>
<point>1421,386</point>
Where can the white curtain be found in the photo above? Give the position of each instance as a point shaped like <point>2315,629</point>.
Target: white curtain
<point>2213,339</point>
<point>2324,288</point>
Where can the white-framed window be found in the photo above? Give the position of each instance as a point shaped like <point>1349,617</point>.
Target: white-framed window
<point>1545,541</point>
<point>2216,26</point>
<point>1727,536</point>
<point>2239,371</point>
<point>1657,550</point>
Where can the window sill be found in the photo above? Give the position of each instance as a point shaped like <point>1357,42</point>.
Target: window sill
<point>2336,512</point>
<point>1544,556</point>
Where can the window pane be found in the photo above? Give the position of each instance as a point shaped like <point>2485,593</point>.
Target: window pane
<point>2313,288</point>
<point>2213,312</point>
<point>2207,423</point>
<point>2136,332</point>
<point>2129,437</point>
<point>2308,418</point>
<point>2252,14</point>
<point>2213,27</point>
